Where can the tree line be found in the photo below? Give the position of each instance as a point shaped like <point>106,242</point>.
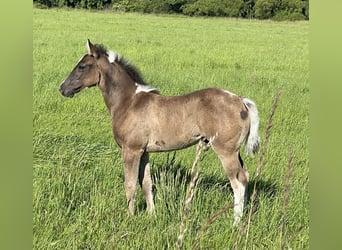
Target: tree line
<point>259,9</point>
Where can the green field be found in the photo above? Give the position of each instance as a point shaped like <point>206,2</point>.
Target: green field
<point>78,194</point>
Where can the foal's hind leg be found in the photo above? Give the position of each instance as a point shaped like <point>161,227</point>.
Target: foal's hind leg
<point>146,182</point>
<point>238,177</point>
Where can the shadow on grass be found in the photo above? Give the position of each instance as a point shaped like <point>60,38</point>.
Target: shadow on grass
<point>176,178</point>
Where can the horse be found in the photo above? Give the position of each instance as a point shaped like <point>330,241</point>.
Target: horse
<point>144,121</point>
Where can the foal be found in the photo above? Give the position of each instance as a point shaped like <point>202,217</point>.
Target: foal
<point>144,121</point>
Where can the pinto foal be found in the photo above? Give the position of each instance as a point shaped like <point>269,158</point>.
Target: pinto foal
<point>144,121</point>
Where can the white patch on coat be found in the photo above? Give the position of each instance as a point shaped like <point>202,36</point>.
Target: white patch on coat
<point>112,56</point>
<point>228,92</point>
<point>144,88</point>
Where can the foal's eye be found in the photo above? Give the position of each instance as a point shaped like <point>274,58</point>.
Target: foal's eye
<point>82,66</point>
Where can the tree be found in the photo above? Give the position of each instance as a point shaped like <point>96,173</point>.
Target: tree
<point>248,9</point>
<point>281,9</point>
<point>261,9</point>
<point>230,8</point>
<point>265,9</point>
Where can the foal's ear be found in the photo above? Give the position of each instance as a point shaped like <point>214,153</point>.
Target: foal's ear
<point>91,49</point>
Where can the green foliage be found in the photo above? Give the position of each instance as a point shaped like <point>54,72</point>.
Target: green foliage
<point>177,5</point>
<point>305,9</point>
<point>149,6</point>
<point>120,5</point>
<point>247,10</point>
<point>86,4</point>
<point>265,9</point>
<point>262,9</point>
<point>229,8</point>
<point>292,10</point>
<point>281,9</point>
<point>152,6</point>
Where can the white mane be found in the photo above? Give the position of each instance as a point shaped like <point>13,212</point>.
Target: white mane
<point>112,56</point>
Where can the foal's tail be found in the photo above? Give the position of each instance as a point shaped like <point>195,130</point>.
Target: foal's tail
<point>253,139</point>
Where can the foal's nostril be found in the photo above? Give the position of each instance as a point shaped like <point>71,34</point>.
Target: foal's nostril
<point>62,90</point>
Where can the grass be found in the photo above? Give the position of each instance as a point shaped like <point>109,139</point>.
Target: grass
<point>78,194</point>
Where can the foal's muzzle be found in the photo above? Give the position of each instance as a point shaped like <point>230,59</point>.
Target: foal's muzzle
<point>69,92</point>
<point>65,93</point>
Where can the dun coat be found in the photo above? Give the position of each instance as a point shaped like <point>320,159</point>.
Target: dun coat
<point>144,121</point>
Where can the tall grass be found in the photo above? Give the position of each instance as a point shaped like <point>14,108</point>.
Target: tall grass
<point>78,193</point>
<point>191,191</point>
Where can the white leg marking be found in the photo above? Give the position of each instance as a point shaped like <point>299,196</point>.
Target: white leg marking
<point>239,199</point>
<point>147,184</point>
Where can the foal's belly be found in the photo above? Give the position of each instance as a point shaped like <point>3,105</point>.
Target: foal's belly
<point>164,145</point>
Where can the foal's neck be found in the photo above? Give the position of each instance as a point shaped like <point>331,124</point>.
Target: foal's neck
<point>117,90</point>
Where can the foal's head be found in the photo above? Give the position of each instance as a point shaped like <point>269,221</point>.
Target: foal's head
<point>86,73</point>
<point>100,65</point>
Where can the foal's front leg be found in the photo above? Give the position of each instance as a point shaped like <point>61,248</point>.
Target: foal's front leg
<point>131,160</point>
<point>145,181</point>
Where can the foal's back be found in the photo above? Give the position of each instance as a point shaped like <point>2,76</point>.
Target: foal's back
<point>174,122</point>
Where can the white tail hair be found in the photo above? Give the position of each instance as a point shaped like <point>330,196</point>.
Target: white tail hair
<point>253,139</point>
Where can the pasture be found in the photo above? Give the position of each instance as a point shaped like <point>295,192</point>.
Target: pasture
<point>78,193</point>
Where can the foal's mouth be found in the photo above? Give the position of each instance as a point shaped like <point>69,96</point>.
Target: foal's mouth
<point>72,92</point>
